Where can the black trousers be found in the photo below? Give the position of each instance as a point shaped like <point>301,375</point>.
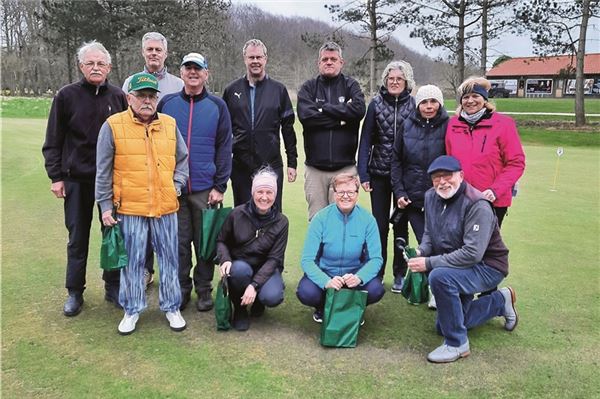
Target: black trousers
<point>241,184</point>
<point>381,201</point>
<point>79,210</point>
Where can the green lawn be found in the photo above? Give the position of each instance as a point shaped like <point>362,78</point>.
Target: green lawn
<point>552,235</point>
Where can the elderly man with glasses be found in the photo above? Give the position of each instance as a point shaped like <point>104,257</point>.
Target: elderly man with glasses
<point>342,249</point>
<point>78,111</point>
<point>141,168</point>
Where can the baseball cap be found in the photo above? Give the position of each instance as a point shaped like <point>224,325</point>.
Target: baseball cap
<point>141,81</point>
<point>195,58</point>
<point>444,162</point>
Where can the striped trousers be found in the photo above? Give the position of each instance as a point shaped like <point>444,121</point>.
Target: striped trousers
<point>163,235</point>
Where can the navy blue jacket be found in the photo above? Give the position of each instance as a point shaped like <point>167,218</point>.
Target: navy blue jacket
<point>205,125</point>
<point>420,142</point>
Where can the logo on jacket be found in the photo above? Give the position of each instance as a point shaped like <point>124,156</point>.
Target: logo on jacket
<point>341,99</point>
<point>475,227</point>
<point>239,95</point>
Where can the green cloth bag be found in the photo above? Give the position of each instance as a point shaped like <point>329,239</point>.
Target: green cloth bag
<point>113,255</point>
<point>415,287</point>
<point>212,221</point>
<point>223,306</point>
<point>342,315</point>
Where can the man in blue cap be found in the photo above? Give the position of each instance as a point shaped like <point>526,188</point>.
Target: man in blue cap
<point>141,167</point>
<point>464,253</point>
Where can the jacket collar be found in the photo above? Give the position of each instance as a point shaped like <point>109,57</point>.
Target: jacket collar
<point>88,86</point>
<point>438,119</point>
<point>402,98</point>
<point>195,97</point>
<point>135,119</point>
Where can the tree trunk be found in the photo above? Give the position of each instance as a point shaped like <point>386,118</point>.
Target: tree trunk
<point>579,76</point>
<point>484,36</point>
<point>372,7</point>
<point>461,41</point>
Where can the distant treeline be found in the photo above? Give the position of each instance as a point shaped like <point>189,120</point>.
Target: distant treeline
<point>40,39</point>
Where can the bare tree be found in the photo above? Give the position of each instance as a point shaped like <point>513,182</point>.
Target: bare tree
<point>559,28</point>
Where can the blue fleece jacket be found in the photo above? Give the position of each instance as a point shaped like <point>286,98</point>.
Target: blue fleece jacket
<point>205,125</point>
<point>337,244</point>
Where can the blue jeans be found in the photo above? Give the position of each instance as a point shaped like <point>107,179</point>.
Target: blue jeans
<point>311,294</point>
<point>269,294</point>
<point>454,288</point>
<point>163,233</point>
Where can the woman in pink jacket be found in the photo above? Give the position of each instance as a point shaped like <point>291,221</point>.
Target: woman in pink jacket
<point>487,145</point>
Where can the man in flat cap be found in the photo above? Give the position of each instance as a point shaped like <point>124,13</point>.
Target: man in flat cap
<point>464,253</point>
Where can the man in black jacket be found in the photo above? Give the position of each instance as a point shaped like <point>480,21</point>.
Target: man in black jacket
<point>330,108</point>
<point>260,107</point>
<point>77,112</point>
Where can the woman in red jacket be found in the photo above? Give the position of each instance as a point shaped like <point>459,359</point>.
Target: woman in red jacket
<point>487,144</point>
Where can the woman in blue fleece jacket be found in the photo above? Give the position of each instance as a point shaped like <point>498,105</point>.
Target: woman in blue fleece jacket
<point>342,249</point>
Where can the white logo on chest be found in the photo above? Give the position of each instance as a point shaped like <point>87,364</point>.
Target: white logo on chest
<point>476,227</point>
<point>238,95</point>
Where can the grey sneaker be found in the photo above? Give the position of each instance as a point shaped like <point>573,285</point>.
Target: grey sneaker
<point>397,286</point>
<point>446,354</point>
<point>431,303</point>
<point>510,313</point>
<point>176,321</point>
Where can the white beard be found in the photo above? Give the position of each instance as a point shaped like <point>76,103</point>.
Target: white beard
<point>445,194</point>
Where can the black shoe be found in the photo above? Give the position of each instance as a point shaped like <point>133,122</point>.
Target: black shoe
<point>111,295</point>
<point>240,321</point>
<point>204,302</point>
<point>73,304</point>
<point>318,316</point>
<point>185,299</point>
<point>257,309</point>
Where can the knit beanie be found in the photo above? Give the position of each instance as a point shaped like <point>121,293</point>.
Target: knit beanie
<point>429,91</point>
<point>264,180</point>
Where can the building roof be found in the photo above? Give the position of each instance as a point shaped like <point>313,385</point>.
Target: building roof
<point>544,66</point>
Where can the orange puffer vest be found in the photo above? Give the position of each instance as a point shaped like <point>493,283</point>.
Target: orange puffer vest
<point>144,165</point>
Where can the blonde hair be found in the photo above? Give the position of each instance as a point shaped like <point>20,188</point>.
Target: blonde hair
<point>466,87</point>
<point>344,178</point>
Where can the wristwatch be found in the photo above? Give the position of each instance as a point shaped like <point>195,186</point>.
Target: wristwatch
<point>255,285</point>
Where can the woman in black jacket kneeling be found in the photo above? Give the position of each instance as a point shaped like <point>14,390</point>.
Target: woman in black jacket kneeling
<point>251,248</point>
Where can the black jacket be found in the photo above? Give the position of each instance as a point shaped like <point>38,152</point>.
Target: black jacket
<point>256,142</point>
<point>262,247</point>
<point>78,111</point>
<point>420,142</point>
<point>384,120</point>
<point>330,110</point>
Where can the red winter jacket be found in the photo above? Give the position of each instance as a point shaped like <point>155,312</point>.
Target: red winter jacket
<point>490,154</point>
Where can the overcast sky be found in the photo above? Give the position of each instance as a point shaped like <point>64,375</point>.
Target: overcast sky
<point>514,46</point>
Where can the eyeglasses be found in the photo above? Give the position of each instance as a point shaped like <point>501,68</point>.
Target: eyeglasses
<point>92,64</point>
<point>350,194</point>
<point>436,177</point>
<point>395,80</point>
<point>142,96</point>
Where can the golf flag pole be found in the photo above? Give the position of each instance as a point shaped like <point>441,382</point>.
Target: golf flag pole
<point>559,152</point>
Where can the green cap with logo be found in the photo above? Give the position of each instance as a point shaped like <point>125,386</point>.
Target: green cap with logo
<point>141,81</point>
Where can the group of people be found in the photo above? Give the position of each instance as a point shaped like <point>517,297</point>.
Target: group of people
<point>158,151</point>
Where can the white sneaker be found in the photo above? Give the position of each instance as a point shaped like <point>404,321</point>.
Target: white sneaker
<point>127,325</point>
<point>176,321</point>
<point>431,304</point>
<point>446,354</point>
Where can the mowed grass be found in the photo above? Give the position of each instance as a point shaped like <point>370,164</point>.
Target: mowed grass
<point>552,235</point>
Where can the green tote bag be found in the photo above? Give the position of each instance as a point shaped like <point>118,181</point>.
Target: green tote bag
<point>342,315</point>
<point>113,255</point>
<point>223,306</point>
<point>415,287</point>
<point>212,221</point>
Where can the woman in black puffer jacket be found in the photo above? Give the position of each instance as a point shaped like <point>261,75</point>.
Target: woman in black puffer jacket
<point>383,122</point>
<point>422,141</point>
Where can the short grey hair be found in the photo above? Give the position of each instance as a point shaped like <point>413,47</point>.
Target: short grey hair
<point>254,43</point>
<point>330,46</point>
<point>154,36</point>
<point>403,67</point>
<point>92,46</point>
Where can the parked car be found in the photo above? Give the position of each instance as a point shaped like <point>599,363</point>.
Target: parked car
<point>499,92</point>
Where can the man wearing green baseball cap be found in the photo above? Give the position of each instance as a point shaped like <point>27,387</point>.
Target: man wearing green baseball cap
<point>141,168</point>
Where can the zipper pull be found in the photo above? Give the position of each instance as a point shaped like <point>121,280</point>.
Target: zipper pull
<point>257,233</point>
